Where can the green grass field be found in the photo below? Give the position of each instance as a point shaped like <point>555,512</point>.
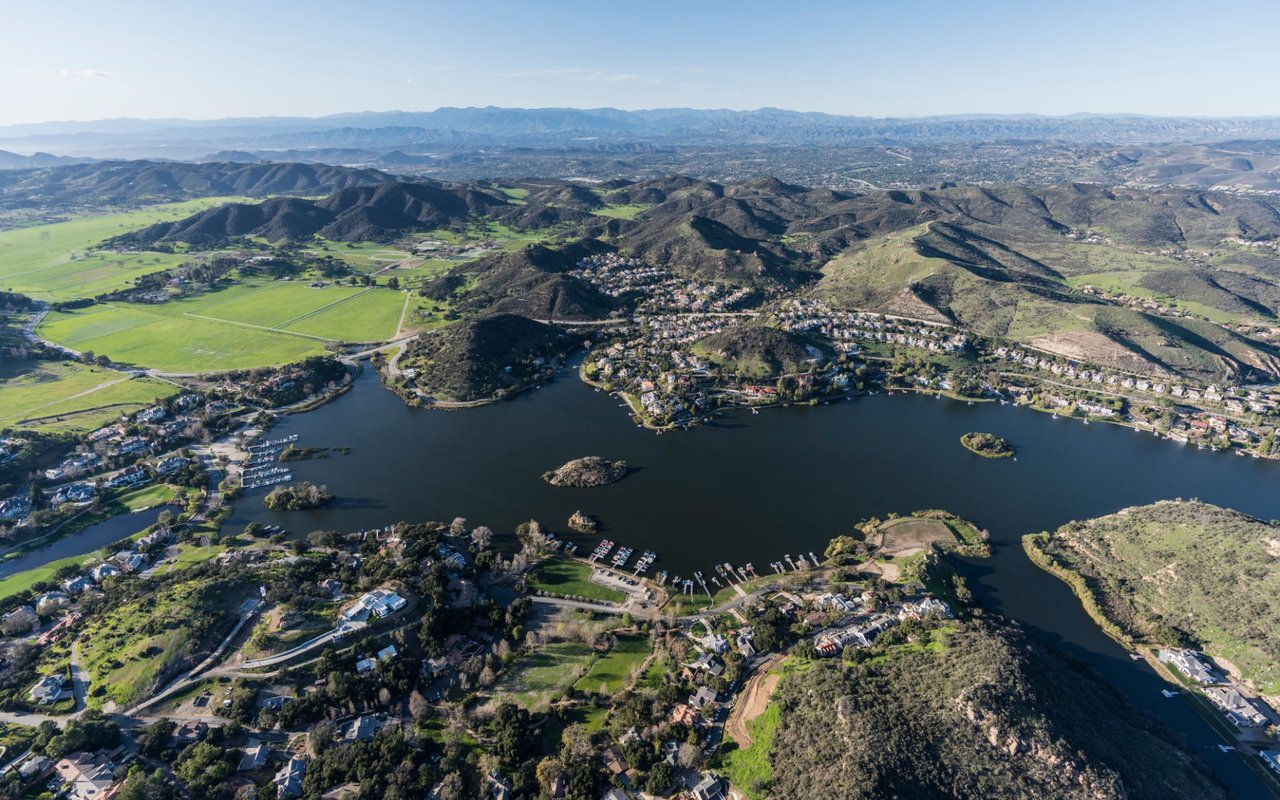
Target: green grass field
<point>612,671</point>
<point>247,325</point>
<point>66,396</point>
<point>545,674</point>
<point>363,256</point>
<point>621,212</point>
<point>573,579</point>
<point>53,262</point>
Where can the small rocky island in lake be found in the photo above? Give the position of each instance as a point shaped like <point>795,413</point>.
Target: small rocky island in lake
<point>583,473</point>
<point>987,445</point>
<point>583,523</point>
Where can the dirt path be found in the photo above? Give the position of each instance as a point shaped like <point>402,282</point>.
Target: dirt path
<point>754,700</point>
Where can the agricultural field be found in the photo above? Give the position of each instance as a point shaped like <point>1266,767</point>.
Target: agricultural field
<point>244,326</point>
<point>571,578</point>
<point>66,396</point>
<point>54,261</point>
<point>366,257</point>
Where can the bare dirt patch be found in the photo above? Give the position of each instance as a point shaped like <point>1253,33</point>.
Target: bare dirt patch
<point>755,698</point>
<point>907,535</point>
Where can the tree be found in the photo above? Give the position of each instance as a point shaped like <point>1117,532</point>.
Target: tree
<point>549,769</point>
<point>481,537</point>
<point>143,785</point>
<point>660,778</point>
<point>689,756</point>
<point>393,283</point>
<point>419,707</point>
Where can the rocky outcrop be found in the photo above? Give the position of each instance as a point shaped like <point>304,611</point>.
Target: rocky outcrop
<point>584,473</point>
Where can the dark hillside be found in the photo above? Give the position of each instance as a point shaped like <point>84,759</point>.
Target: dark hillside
<point>982,711</point>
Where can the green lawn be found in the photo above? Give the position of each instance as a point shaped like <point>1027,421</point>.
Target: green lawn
<point>612,671</point>
<point>573,579</point>
<point>248,325</point>
<point>148,497</point>
<point>52,262</point>
<point>84,397</point>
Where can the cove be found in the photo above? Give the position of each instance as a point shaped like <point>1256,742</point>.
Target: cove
<point>755,487</point>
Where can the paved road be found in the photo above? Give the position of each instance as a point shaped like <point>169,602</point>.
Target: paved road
<point>580,605</point>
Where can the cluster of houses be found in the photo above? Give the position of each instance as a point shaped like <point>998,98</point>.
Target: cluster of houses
<point>1232,401</point>
<point>1240,710</point>
<point>845,328</point>
<point>857,627</point>
<point>657,290</point>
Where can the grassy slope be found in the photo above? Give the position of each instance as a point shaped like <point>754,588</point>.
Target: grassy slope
<point>1198,568</point>
<point>892,274</point>
<point>37,389</point>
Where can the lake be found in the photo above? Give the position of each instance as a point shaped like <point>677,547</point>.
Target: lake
<point>756,487</point>
<point>95,536</point>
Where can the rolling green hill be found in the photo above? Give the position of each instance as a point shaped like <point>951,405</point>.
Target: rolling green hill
<point>1179,573</point>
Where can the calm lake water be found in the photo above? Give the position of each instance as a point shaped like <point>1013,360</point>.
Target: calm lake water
<point>756,487</point>
<point>93,537</point>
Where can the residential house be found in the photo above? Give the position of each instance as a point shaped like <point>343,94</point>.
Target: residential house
<point>104,571</point>
<point>684,714</point>
<point>1189,663</point>
<point>288,781</point>
<point>254,757</point>
<point>387,653</point>
<point>497,787</point>
<point>366,665</point>
<point>1271,758</point>
<point>173,464</point>
<point>704,697</point>
<point>1238,708</point>
<point>711,787</point>
<point>362,729</point>
<point>49,602</point>
<point>128,478</point>
<point>15,507</point>
<point>86,776</point>
<point>189,732</point>
<point>377,603</point>
<point>77,584</point>
<point>615,761</point>
<point>22,619</point>
<point>49,689</point>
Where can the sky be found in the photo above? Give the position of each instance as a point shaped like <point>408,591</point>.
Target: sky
<point>82,59</point>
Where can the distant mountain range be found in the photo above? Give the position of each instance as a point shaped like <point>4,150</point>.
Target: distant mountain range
<point>542,126</point>
<point>133,182</point>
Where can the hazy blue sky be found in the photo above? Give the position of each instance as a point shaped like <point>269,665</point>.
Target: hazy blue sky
<point>89,59</point>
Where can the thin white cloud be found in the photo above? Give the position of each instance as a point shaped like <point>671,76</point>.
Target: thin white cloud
<point>86,73</point>
<point>582,74</point>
